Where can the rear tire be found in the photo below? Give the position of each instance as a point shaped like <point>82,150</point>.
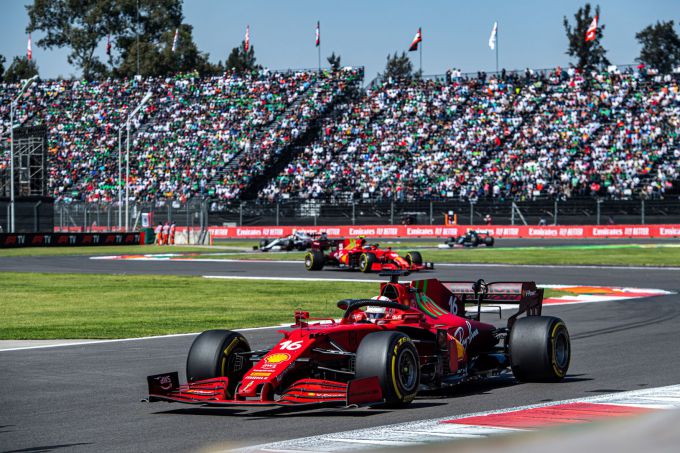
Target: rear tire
<point>213,354</point>
<point>366,261</point>
<point>414,258</point>
<point>314,260</point>
<point>540,349</point>
<point>488,241</point>
<point>392,357</point>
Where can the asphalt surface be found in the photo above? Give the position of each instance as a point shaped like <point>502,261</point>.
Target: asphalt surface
<point>87,397</point>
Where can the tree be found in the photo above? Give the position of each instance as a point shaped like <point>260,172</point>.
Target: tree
<point>588,53</point>
<point>21,68</point>
<point>158,20</point>
<point>2,66</point>
<point>334,61</point>
<point>159,59</point>
<point>660,46</point>
<point>398,67</point>
<point>241,61</point>
<point>83,25</point>
<point>79,25</point>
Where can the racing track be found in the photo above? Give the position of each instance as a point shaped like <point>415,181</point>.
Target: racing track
<point>85,398</point>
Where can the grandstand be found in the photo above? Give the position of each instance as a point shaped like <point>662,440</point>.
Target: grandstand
<point>307,135</point>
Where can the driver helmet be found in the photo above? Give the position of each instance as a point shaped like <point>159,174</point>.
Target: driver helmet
<point>362,240</point>
<point>376,313</point>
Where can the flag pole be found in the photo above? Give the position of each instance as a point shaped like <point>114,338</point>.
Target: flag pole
<point>421,51</point>
<point>496,50</point>
<point>318,41</point>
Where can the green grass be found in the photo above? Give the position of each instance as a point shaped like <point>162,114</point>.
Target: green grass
<point>63,306</point>
<point>614,255</point>
<point>46,306</point>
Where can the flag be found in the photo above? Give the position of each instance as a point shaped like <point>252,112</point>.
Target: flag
<point>29,49</point>
<point>247,37</point>
<point>318,34</point>
<point>108,44</point>
<point>492,38</point>
<point>591,33</point>
<point>174,40</point>
<point>418,38</point>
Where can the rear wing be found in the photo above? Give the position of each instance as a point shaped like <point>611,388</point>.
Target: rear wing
<point>526,295</point>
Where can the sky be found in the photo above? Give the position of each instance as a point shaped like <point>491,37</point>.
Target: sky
<point>455,32</point>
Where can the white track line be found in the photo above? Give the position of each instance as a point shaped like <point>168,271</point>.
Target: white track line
<point>561,266</point>
<point>119,340</point>
<point>435,430</point>
<point>292,279</point>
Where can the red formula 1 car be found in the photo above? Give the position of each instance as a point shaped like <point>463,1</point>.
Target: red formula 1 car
<point>357,254</point>
<point>413,336</point>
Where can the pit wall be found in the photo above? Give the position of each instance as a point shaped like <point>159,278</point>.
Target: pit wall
<point>442,231</point>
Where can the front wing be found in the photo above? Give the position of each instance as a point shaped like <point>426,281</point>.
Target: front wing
<point>394,267</point>
<point>302,393</point>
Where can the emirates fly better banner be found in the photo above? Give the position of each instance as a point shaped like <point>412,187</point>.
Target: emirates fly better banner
<point>439,231</point>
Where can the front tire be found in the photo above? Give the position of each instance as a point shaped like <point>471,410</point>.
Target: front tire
<point>488,241</point>
<point>214,353</point>
<point>263,243</point>
<point>314,260</point>
<point>414,258</point>
<point>366,261</point>
<point>392,357</point>
<point>540,349</point>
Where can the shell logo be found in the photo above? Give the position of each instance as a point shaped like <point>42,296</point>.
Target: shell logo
<point>277,358</point>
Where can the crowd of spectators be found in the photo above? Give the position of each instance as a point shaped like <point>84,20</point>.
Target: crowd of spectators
<point>558,134</point>
<point>196,137</point>
<point>512,136</point>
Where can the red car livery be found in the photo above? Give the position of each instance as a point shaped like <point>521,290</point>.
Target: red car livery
<point>358,254</point>
<point>412,336</point>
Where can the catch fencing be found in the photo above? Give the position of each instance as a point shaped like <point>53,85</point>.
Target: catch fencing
<point>201,214</point>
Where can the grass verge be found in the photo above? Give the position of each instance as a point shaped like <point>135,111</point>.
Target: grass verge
<point>611,255</point>
<point>64,306</point>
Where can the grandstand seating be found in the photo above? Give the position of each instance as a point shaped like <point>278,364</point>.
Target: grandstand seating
<point>557,134</point>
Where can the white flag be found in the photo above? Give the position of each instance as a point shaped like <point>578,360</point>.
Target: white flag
<point>492,38</point>
<point>174,40</point>
<point>29,48</point>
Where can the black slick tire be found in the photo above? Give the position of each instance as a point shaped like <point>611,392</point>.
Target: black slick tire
<point>366,261</point>
<point>214,353</point>
<point>540,349</point>
<point>414,258</point>
<point>263,243</point>
<point>314,260</point>
<point>392,357</point>
<point>488,241</point>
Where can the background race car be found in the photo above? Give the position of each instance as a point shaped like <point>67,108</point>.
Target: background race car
<point>358,254</point>
<point>296,241</point>
<point>472,238</point>
<point>412,336</point>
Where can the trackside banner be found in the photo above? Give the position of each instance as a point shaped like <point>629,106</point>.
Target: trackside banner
<point>441,231</point>
<point>11,240</point>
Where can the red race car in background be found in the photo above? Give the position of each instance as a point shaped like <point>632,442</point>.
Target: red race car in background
<point>357,254</point>
<point>412,336</point>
